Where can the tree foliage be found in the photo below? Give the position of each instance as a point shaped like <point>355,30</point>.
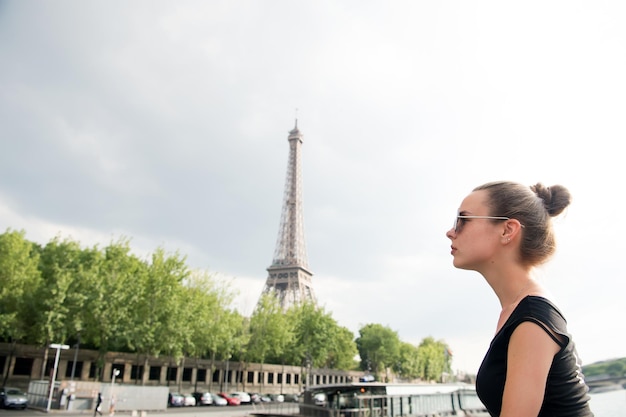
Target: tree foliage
<point>270,331</point>
<point>433,359</point>
<point>110,299</point>
<point>379,348</point>
<point>313,328</point>
<point>407,366</point>
<point>382,350</point>
<point>19,280</point>
<point>342,349</point>
<point>613,367</point>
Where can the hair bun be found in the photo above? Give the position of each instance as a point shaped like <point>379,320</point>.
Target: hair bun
<point>555,198</point>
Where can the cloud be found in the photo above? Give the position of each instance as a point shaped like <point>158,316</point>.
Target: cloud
<point>167,123</point>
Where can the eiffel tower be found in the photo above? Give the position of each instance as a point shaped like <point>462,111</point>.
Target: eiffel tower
<point>289,278</point>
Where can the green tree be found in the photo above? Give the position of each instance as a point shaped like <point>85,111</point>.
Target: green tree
<point>60,299</point>
<point>19,282</point>
<point>616,369</point>
<point>157,319</point>
<point>203,304</point>
<point>318,340</point>
<point>209,322</point>
<point>407,365</point>
<point>113,296</point>
<point>270,331</point>
<point>611,367</point>
<point>379,348</point>
<point>111,300</point>
<point>342,349</point>
<point>81,289</point>
<point>433,359</point>
<point>236,342</point>
<point>228,337</point>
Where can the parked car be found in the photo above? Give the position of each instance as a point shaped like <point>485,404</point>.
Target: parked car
<point>320,399</point>
<point>279,398</point>
<point>244,397</point>
<point>259,398</point>
<point>189,400</point>
<point>292,398</point>
<point>265,398</point>
<point>13,398</point>
<point>230,400</point>
<point>203,398</point>
<point>219,401</point>
<point>175,399</point>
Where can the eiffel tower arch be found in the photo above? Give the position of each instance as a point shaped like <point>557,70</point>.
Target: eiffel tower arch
<point>289,277</point>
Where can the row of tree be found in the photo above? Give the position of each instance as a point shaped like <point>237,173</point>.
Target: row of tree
<point>109,299</point>
<point>612,367</point>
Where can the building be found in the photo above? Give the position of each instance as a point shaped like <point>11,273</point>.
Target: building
<point>21,364</point>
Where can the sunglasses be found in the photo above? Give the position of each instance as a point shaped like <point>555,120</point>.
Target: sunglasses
<point>459,221</point>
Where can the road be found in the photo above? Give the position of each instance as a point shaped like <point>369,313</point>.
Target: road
<point>235,411</point>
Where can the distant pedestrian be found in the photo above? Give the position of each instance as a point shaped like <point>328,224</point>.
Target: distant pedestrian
<point>98,409</point>
<point>503,230</point>
<point>112,407</point>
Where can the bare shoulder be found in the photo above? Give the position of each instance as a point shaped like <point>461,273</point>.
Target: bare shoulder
<point>531,340</point>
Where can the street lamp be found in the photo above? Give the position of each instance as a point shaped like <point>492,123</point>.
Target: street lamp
<point>116,372</point>
<point>77,346</point>
<point>58,347</point>
<point>227,377</point>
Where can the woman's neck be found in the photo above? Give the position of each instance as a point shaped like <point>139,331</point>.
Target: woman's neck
<point>510,283</point>
<point>511,287</point>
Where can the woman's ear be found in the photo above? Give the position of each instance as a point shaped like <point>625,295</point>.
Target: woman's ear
<point>512,229</point>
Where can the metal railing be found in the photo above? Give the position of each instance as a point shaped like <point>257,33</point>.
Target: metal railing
<point>441,404</point>
<point>275,408</point>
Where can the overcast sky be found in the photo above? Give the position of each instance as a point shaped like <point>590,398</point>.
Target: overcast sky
<point>167,123</point>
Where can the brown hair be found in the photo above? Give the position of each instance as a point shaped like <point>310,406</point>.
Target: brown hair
<point>533,207</point>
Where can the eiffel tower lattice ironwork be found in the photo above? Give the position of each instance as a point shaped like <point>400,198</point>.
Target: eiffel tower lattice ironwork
<point>289,278</point>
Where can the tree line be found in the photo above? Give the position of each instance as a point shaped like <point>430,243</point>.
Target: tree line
<point>110,300</point>
<point>612,367</point>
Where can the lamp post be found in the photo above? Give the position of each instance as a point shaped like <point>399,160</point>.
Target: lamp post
<point>77,346</point>
<point>58,347</point>
<point>227,377</point>
<point>116,372</point>
<point>307,382</point>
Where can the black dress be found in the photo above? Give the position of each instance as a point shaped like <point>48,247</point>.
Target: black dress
<point>566,391</point>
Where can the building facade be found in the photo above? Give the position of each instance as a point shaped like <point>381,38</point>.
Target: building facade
<point>21,364</point>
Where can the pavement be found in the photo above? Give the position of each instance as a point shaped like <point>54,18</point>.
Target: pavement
<point>239,411</point>
<point>235,411</point>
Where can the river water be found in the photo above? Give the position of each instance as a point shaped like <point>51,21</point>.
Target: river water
<point>609,404</point>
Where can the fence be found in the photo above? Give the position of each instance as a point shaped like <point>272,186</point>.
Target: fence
<point>81,395</point>
<point>440,404</point>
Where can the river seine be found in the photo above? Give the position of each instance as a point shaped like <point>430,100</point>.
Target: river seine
<point>609,404</point>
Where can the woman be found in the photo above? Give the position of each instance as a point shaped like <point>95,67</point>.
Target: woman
<point>503,230</point>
